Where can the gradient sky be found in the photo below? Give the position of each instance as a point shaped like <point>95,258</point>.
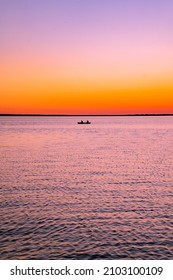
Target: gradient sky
<point>86,56</point>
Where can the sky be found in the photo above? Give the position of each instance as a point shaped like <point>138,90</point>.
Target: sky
<point>86,56</point>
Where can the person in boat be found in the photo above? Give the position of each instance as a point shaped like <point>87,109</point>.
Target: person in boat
<point>87,121</point>
<point>81,121</point>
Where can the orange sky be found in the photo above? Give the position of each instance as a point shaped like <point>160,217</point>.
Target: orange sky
<point>94,64</point>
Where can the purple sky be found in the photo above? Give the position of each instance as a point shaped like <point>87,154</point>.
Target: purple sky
<point>117,42</point>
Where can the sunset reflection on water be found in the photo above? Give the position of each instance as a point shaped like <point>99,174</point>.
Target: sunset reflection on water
<point>99,191</point>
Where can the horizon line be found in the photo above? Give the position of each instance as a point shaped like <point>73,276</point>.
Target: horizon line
<point>87,115</point>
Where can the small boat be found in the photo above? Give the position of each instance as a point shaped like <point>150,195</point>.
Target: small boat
<point>82,122</point>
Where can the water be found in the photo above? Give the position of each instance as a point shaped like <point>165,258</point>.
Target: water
<point>99,191</point>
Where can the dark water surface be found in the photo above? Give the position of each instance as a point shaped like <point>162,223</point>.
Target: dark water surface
<point>99,191</point>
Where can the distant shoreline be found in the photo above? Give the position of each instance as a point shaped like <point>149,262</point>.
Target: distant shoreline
<point>83,115</point>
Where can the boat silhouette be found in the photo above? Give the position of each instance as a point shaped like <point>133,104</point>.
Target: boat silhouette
<point>82,122</point>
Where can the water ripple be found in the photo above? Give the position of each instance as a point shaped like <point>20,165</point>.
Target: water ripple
<point>98,192</point>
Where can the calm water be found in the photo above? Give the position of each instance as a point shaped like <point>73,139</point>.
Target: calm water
<point>99,191</point>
